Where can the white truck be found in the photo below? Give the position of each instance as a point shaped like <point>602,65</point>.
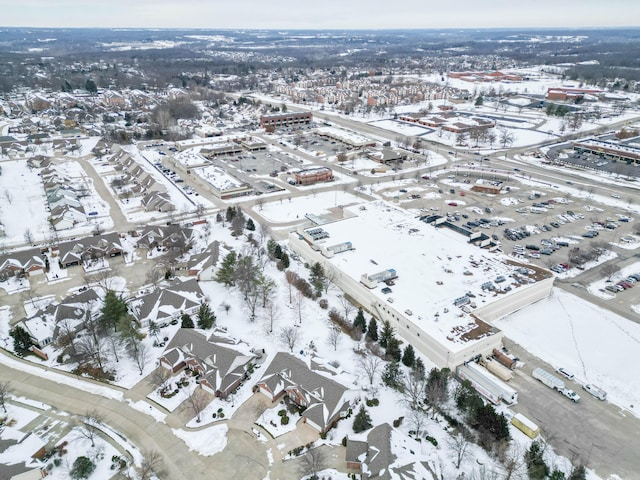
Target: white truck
<point>548,379</point>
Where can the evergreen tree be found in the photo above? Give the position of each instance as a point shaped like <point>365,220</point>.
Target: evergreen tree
<point>113,309</point>
<point>238,223</point>
<point>230,213</point>
<point>21,340</point>
<point>187,321</point>
<point>82,468</point>
<point>250,225</point>
<point>409,356</point>
<point>90,86</point>
<point>317,278</point>
<point>360,321</point>
<point>418,368</point>
<point>386,334</point>
<point>206,318</point>
<point>392,375</point>
<point>537,469</point>
<point>226,272</point>
<point>278,253</point>
<point>362,421</point>
<point>372,330</point>
<point>479,101</point>
<point>284,262</point>
<point>557,475</point>
<point>393,350</point>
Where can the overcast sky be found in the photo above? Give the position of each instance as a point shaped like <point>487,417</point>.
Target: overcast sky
<point>325,14</point>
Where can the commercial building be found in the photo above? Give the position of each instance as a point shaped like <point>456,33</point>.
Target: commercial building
<point>286,119</point>
<point>439,291</point>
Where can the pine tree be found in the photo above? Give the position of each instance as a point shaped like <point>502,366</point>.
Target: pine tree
<point>206,318</point>
<point>393,350</point>
<point>226,272</point>
<point>418,368</point>
<point>360,321</point>
<point>536,467</point>
<point>250,225</point>
<point>392,375</point>
<point>362,421</point>
<point>386,334</point>
<point>230,213</point>
<point>317,278</point>
<point>409,356</point>
<point>372,330</point>
<point>187,321</point>
<point>284,262</point>
<point>90,86</point>
<point>113,309</point>
<point>21,340</point>
<point>578,473</point>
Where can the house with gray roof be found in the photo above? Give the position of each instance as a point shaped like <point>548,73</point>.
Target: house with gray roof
<point>167,236</point>
<point>220,369</point>
<point>202,265</point>
<point>373,457</point>
<point>22,263</point>
<point>89,248</point>
<point>324,400</point>
<point>164,305</point>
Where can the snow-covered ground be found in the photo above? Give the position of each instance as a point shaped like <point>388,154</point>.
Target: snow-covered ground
<point>593,343</point>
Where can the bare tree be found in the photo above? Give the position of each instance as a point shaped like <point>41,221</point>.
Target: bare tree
<point>260,203</point>
<point>370,365</point>
<point>272,311</point>
<point>512,462</point>
<point>413,390</point>
<point>290,336</point>
<point>89,428</point>
<point>417,420</point>
<point>152,465</point>
<point>609,270</point>
<point>91,345</point>
<point>160,377</point>
<point>197,401</point>
<point>5,392</point>
<point>299,304</point>
<point>460,447</point>
<point>291,279</point>
<point>28,236</point>
<point>330,276</point>
<point>312,462</point>
<point>140,356</point>
<point>347,306</point>
<point>8,196</point>
<point>335,335</point>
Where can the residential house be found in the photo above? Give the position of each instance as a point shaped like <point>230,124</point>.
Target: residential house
<point>325,401</point>
<point>164,305</point>
<point>21,264</point>
<point>220,369</point>
<point>86,249</point>
<point>202,265</point>
<point>158,201</point>
<point>374,457</point>
<point>65,217</point>
<point>169,236</point>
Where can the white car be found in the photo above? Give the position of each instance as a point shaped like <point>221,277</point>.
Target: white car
<point>615,195</point>
<point>565,373</point>
<point>595,391</point>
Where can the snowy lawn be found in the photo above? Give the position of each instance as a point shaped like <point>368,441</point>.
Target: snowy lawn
<point>207,441</point>
<point>272,422</point>
<point>592,342</point>
<point>296,208</point>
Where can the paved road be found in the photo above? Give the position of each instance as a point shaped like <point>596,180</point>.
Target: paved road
<point>599,434</point>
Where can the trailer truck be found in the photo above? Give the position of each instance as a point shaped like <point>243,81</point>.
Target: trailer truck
<point>548,379</point>
<point>499,370</point>
<point>487,385</point>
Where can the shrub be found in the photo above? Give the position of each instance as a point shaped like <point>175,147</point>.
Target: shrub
<point>432,440</point>
<point>282,413</point>
<point>324,303</point>
<point>397,422</point>
<point>372,402</point>
<point>284,420</point>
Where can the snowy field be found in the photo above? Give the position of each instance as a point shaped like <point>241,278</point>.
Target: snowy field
<point>591,342</point>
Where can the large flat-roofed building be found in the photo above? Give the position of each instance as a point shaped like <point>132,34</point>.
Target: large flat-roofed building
<point>310,176</point>
<point>608,149</point>
<point>439,292</point>
<point>286,119</point>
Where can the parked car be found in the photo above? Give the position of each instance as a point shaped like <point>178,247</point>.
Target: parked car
<point>595,391</point>
<point>565,373</point>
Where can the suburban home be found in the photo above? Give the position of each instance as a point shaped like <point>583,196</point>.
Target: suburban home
<point>22,264</point>
<point>66,316</point>
<point>220,369</point>
<point>373,457</point>
<point>203,265</point>
<point>164,305</point>
<point>324,400</point>
<point>89,248</point>
<point>65,217</point>
<point>169,236</point>
<point>158,201</point>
